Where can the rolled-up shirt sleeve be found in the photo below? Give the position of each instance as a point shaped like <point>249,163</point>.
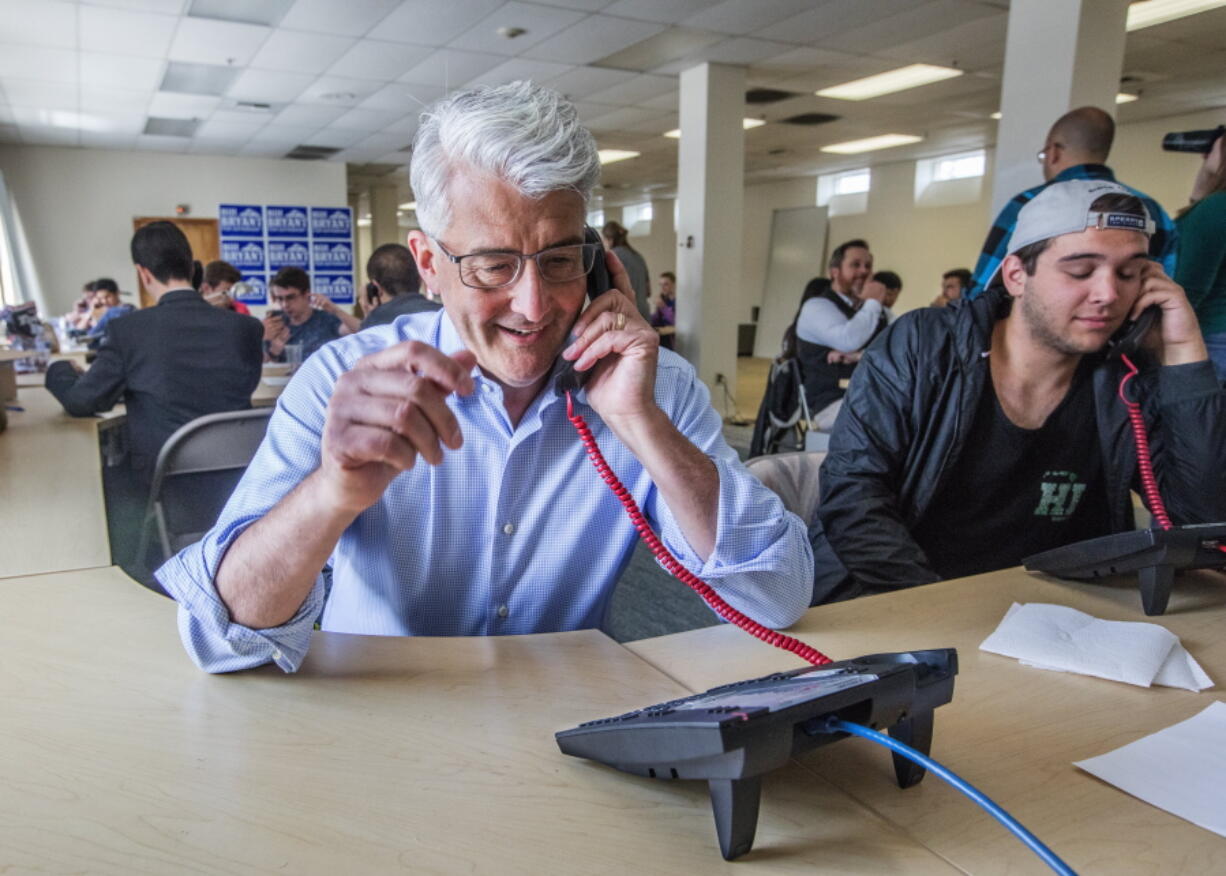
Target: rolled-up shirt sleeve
<point>288,453</point>
<point>762,563</point>
<point>821,323</point>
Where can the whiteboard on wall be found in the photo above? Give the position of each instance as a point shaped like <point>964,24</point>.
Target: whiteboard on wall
<point>797,254</point>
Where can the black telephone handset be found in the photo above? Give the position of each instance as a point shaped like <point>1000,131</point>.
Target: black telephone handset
<point>598,282</point>
<point>1127,340</point>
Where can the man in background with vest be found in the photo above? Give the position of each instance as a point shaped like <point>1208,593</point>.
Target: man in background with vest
<point>835,326</point>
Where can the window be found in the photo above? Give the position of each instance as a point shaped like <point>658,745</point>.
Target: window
<point>637,218</point>
<point>948,180</point>
<point>596,219</point>
<point>845,193</point>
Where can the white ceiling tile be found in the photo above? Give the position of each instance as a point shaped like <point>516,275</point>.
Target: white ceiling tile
<point>264,149</point>
<point>588,111</point>
<point>582,81</point>
<point>277,132</point>
<point>41,117</point>
<point>642,87</point>
<point>269,86</point>
<point>403,97</point>
<point>405,127</point>
<point>338,138</point>
<point>107,140</point>
<point>740,51</point>
<point>301,52</point>
<point>103,100</point>
<point>38,63</point>
<point>431,22</point>
<point>666,11</point>
<point>670,101</point>
<point>229,130</point>
<point>396,157</point>
<point>126,33</point>
<point>581,5</point>
<point>366,119</point>
<point>31,93</point>
<point>382,143</point>
<point>339,91</point>
<point>974,45</point>
<point>377,59</point>
<point>448,68</point>
<point>209,146</point>
<point>745,16</point>
<point>831,17</point>
<point>6,115</point>
<point>309,115</point>
<point>207,41</point>
<point>121,72</point>
<point>593,38</point>
<point>626,116</point>
<point>908,24</point>
<point>49,136</point>
<point>168,105</point>
<point>539,22</point>
<point>248,118</point>
<point>158,143</point>
<point>126,123</point>
<point>163,7</point>
<point>320,16</point>
<point>38,23</point>
<point>539,72</point>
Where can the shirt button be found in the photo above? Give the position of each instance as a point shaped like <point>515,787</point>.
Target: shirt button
<point>509,529</point>
<point>503,611</point>
<point>276,654</point>
<point>485,387</point>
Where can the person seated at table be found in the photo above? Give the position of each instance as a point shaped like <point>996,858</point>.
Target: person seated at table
<point>108,298</point>
<point>431,462</point>
<point>170,363</point>
<point>303,318</point>
<point>665,314</point>
<point>974,436</point>
<point>105,292</point>
<point>219,278</point>
<point>893,288</point>
<point>77,319</point>
<point>954,284</point>
<point>394,287</point>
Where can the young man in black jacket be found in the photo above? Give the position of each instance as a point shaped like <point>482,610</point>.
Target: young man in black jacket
<point>975,435</point>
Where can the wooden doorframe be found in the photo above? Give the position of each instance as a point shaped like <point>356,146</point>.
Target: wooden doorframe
<point>202,234</point>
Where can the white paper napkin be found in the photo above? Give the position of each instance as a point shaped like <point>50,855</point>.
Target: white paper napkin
<point>1064,639</point>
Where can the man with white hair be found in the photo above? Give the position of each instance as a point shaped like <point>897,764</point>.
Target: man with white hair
<point>431,463</point>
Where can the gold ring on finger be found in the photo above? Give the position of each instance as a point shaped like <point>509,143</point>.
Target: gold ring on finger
<point>620,321</point>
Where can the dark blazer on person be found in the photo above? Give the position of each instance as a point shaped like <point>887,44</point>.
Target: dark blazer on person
<point>169,364</point>
<point>409,302</point>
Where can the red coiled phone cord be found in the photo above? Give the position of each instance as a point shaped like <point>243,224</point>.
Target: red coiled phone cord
<point>1145,466</point>
<point>702,588</point>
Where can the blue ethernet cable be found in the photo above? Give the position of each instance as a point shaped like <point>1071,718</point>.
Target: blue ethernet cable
<point>833,725</point>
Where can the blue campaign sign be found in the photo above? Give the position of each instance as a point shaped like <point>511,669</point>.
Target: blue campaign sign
<point>338,287</point>
<point>241,220</point>
<point>332,255</point>
<point>256,291</point>
<point>332,222</point>
<point>287,221</point>
<point>288,254</point>
<point>246,255</point>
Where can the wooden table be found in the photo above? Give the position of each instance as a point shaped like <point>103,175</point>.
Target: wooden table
<point>381,755</point>
<point>54,515</point>
<point>1012,730</point>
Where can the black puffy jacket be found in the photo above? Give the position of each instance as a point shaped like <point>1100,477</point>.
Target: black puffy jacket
<point>905,419</point>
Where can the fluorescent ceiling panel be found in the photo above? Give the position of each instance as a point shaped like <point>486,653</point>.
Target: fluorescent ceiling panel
<point>171,127</point>
<point>1124,97</point>
<point>871,144</point>
<point>408,205</point>
<point>1151,12</point>
<point>198,78</point>
<point>911,76</point>
<point>267,12</point>
<point>612,156</point>
<point>182,106</point>
<point>746,124</point>
<point>320,16</point>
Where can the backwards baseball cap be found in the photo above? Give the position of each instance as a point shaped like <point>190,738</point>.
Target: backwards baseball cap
<point>1064,208</point>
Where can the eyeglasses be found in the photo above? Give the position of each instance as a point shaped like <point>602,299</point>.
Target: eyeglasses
<point>491,270</point>
<point>1041,155</point>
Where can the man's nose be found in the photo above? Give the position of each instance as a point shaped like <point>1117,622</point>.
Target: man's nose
<point>529,295</point>
<point>1106,288</point>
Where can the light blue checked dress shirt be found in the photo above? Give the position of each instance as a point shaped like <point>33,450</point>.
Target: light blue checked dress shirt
<point>513,533</point>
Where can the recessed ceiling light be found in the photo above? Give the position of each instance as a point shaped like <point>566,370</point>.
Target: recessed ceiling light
<point>869,144</point>
<point>609,156</point>
<point>1124,97</point>
<point>267,12</point>
<point>746,124</point>
<point>911,76</point>
<point>995,115</point>
<point>409,205</point>
<point>1150,12</point>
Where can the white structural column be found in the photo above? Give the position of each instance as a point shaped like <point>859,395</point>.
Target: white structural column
<point>710,192</point>
<point>1059,55</point>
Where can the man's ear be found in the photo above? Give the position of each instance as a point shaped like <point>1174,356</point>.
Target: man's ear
<point>1013,275</point>
<point>423,254</point>
<point>146,277</point>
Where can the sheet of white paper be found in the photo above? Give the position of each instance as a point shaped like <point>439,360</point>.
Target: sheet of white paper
<point>1061,638</point>
<point>1181,769</point>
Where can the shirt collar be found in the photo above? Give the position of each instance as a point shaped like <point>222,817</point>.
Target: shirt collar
<point>184,293</point>
<point>1085,171</point>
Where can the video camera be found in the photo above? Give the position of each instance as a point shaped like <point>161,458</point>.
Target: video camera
<point>1192,141</point>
